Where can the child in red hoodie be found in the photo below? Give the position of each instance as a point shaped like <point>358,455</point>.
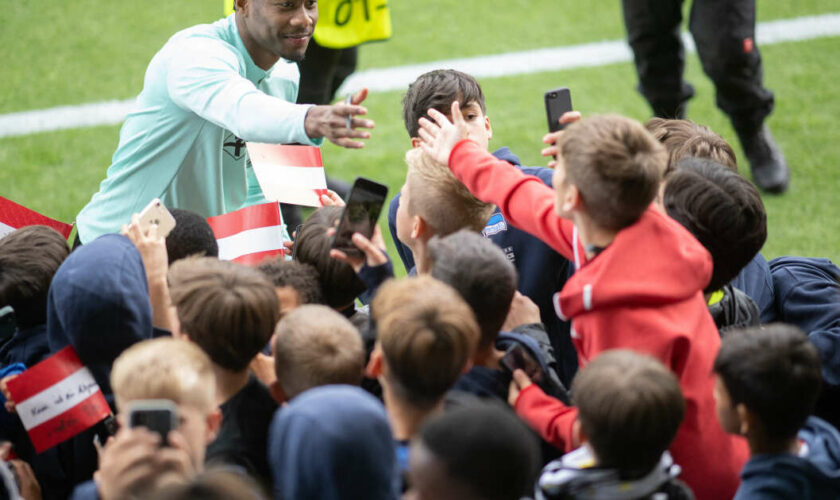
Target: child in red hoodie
<point>639,277</point>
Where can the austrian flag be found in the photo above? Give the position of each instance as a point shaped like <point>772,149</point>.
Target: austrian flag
<point>289,174</point>
<point>249,234</point>
<point>57,399</point>
<point>14,216</point>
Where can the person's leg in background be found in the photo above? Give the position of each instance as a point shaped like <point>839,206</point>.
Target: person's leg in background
<point>724,32</point>
<point>653,32</point>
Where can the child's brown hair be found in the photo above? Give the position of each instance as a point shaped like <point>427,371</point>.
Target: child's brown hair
<point>616,166</point>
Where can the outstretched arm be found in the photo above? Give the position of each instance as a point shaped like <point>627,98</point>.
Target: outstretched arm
<point>205,79</point>
<point>524,200</point>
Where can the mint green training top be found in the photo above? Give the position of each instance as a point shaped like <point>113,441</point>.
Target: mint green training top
<point>202,97</point>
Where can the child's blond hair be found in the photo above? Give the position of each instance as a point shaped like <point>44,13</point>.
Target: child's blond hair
<point>165,368</point>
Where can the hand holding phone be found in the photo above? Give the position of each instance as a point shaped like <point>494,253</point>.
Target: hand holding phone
<point>360,215</point>
<point>157,415</point>
<point>156,214</point>
<point>517,357</point>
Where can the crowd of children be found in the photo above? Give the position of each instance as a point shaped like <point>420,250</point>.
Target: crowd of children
<point>605,328</point>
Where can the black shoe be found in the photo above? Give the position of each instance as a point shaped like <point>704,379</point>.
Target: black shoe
<point>769,169</point>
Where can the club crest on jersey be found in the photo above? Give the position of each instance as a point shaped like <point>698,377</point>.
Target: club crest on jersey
<point>495,225</point>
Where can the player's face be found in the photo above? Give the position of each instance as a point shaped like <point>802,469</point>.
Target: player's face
<point>282,27</point>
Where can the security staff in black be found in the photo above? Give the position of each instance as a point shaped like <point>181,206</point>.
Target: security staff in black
<point>724,32</point>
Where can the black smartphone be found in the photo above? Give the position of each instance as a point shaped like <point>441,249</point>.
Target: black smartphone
<point>8,325</point>
<point>517,357</point>
<point>557,102</point>
<point>360,214</point>
<point>157,415</point>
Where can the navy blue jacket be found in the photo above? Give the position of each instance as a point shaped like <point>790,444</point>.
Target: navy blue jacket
<point>333,443</point>
<point>808,296</point>
<point>814,475</point>
<point>542,271</point>
<point>755,280</point>
<point>27,346</point>
<point>99,303</point>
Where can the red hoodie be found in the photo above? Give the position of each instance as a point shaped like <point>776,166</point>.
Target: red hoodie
<point>643,292</point>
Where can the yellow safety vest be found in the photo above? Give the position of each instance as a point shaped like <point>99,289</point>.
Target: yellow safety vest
<point>347,23</point>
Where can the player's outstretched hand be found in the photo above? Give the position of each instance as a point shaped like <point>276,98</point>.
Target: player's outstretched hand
<point>440,137</point>
<point>332,122</point>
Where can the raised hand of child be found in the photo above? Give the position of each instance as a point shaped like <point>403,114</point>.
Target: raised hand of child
<point>551,138</point>
<point>519,383</point>
<point>523,311</point>
<point>440,137</point>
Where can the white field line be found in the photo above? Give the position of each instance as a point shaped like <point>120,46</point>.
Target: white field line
<point>398,78</point>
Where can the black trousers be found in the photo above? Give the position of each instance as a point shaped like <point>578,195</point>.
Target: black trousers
<point>724,33</point>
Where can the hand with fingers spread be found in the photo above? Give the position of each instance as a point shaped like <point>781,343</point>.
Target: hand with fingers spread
<point>519,383</point>
<point>331,122</point>
<point>441,136</point>
<point>551,138</point>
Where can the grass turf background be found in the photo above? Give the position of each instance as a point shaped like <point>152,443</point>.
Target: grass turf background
<point>61,53</point>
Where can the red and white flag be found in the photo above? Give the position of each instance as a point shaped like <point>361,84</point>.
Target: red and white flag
<point>57,399</point>
<point>14,216</point>
<point>249,234</point>
<point>289,174</point>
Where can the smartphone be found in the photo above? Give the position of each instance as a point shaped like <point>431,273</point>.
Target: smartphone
<point>157,415</point>
<point>517,357</point>
<point>360,214</point>
<point>295,235</point>
<point>8,325</point>
<point>557,102</point>
<point>157,214</point>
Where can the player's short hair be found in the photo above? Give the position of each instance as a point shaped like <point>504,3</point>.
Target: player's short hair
<point>438,89</point>
<point>427,334</point>
<point>482,275</point>
<point>630,407</point>
<point>165,368</point>
<point>228,309</point>
<point>440,199</point>
<point>684,138</point>
<point>303,278</point>
<point>191,236</point>
<point>314,346</point>
<point>340,285</point>
<point>774,371</point>
<point>722,210</point>
<point>616,166</point>
<point>213,484</point>
<point>29,258</point>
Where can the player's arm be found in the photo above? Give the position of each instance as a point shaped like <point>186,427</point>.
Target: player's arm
<point>204,78</point>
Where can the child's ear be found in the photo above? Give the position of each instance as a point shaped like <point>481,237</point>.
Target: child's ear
<point>419,228</point>
<point>214,422</point>
<point>578,436</point>
<point>276,391</point>
<point>415,142</point>
<point>374,366</point>
<point>746,418</point>
<point>488,127</point>
<point>571,199</point>
<point>467,367</point>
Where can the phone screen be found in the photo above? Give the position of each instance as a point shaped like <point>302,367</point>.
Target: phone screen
<point>516,357</point>
<point>557,102</point>
<point>360,214</point>
<point>160,420</point>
